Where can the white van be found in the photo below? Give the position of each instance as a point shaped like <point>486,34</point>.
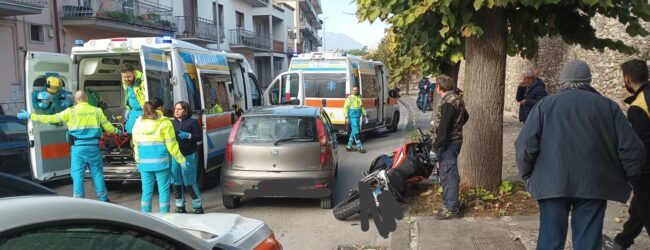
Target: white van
<point>320,79</point>
<point>174,71</point>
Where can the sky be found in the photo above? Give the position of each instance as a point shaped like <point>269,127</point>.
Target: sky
<point>339,22</point>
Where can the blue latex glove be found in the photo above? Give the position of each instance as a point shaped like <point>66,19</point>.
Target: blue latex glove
<point>184,135</point>
<point>119,133</point>
<point>23,115</point>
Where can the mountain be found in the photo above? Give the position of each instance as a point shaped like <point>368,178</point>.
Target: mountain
<point>334,41</point>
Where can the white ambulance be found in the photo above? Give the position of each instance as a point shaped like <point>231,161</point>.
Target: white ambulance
<point>320,79</point>
<point>173,71</point>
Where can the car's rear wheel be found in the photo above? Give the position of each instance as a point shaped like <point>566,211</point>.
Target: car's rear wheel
<point>326,202</point>
<point>230,202</point>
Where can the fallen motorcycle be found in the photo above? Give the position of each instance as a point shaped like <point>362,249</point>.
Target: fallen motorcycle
<point>407,166</point>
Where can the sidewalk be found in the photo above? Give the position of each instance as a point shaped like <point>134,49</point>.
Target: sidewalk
<point>517,232</point>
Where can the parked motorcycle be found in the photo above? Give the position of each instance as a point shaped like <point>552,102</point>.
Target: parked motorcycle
<point>407,166</point>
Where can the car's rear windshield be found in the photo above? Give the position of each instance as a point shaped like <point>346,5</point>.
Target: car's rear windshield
<point>271,129</point>
<point>324,85</point>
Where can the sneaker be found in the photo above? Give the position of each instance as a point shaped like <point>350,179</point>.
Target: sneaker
<point>180,210</point>
<point>609,244</point>
<point>348,149</point>
<point>362,150</point>
<point>198,210</point>
<point>446,215</point>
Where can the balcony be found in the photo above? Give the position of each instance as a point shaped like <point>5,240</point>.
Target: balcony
<point>307,31</point>
<point>307,7</point>
<point>21,7</point>
<point>247,40</point>
<point>278,46</point>
<point>191,28</point>
<point>317,6</point>
<point>258,3</point>
<point>140,17</point>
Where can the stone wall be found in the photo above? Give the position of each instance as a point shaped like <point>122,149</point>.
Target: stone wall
<point>554,53</point>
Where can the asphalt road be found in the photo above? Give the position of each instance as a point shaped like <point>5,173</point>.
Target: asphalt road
<point>300,223</point>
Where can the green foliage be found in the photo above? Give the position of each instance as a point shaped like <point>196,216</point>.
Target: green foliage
<point>430,32</point>
<point>506,188</point>
<point>357,52</point>
<point>482,194</point>
<point>119,16</point>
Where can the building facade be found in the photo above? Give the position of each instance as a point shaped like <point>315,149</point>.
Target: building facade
<point>307,24</point>
<point>24,25</point>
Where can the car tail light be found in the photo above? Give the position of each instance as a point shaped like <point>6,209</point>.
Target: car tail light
<point>270,243</point>
<point>231,139</point>
<point>322,139</point>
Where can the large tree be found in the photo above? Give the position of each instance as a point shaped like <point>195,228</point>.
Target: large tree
<point>483,33</point>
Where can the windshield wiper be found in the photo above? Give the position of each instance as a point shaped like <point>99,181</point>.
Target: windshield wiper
<point>291,139</point>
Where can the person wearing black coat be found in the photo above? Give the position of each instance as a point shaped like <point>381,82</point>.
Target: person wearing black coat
<point>188,133</point>
<point>575,151</point>
<point>529,92</point>
<point>635,76</point>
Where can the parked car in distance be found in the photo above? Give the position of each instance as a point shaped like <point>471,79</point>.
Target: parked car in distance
<point>280,151</point>
<point>41,220</point>
<point>14,147</point>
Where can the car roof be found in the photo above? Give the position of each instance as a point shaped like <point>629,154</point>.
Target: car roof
<point>289,110</point>
<point>23,211</point>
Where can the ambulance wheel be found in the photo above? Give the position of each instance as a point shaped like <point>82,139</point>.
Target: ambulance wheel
<point>395,123</point>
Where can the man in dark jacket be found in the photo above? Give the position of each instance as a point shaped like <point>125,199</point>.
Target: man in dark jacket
<point>530,91</point>
<point>449,119</point>
<point>576,151</point>
<point>635,76</point>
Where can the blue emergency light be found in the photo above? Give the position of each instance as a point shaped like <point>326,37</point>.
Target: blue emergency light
<point>167,39</point>
<point>78,42</point>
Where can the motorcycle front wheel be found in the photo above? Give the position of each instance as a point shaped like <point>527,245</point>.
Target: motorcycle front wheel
<point>350,206</point>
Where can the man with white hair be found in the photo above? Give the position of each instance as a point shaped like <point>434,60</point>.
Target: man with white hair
<point>530,90</point>
<point>576,151</point>
<point>85,123</point>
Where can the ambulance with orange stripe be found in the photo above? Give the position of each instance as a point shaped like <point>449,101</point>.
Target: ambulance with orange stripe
<point>320,79</point>
<point>173,71</point>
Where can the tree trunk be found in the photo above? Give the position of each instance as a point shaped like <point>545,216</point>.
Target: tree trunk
<point>484,86</point>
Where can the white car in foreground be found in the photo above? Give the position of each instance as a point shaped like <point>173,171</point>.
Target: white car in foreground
<point>55,222</point>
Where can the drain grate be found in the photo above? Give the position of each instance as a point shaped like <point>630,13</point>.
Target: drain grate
<point>496,243</point>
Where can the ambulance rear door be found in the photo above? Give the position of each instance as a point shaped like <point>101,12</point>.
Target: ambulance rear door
<point>49,150</point>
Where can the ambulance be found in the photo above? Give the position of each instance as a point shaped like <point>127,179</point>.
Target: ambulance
<point>173,71</point>
<point>320,79</point>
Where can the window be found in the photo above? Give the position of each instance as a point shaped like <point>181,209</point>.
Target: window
<point>258,29</point>
<point>36,33</point>
<point>215,91</point>
<point>369,86</point>
<point>220,17</point>
<point>13,131</point>
<point>239,19</point>
<point>83,237</point>
<point>159,85</point>
<point>289,89</point>
<point>237,87</point>
<point>256,95</point>
<point>270,129</point>
<point>325,85</point>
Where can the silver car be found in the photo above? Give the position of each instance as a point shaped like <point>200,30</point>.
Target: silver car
<point>280,151</point>
<point>46,221</point>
